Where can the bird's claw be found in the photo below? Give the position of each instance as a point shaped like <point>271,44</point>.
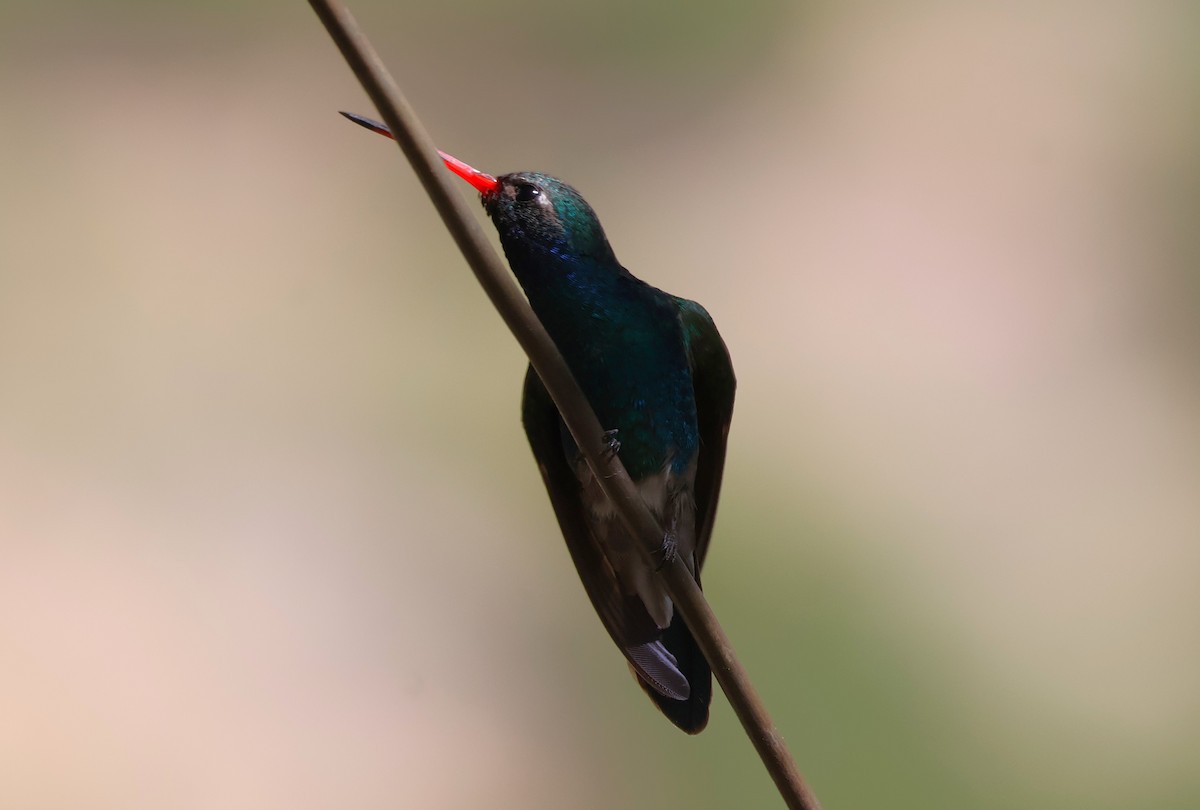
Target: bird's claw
<point>668,552</point>
<point>612,445</point>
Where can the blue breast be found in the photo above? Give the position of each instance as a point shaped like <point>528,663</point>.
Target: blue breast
<point>625,345</point>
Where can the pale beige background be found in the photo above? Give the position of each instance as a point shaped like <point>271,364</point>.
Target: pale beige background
<point>269,532</point>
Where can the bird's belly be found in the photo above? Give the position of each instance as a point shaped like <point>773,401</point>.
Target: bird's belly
<point>654,489</point>
<point>669,497</point>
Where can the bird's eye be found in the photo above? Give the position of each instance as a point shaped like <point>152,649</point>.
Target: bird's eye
<point>527,192</point>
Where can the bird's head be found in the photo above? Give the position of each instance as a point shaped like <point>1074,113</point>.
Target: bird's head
<point>536,214</point>
<point>539,213</point>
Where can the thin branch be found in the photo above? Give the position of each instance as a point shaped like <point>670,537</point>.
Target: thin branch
<point>576,412</point>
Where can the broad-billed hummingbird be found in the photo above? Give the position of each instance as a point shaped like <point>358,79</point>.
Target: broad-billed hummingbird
<point>658,376</point>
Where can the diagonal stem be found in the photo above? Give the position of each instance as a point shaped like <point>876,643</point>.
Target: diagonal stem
<point>576,412</point>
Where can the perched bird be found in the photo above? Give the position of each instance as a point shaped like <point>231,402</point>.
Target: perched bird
<point>659,377</point>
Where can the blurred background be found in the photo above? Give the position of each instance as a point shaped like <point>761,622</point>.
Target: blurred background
<point>270,535</point>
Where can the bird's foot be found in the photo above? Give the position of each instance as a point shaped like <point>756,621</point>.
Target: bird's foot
<point>667,553</point>
<point>612,445</point>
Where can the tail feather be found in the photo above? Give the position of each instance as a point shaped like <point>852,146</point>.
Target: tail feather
<point>655,666</point>
<point>686,707</point>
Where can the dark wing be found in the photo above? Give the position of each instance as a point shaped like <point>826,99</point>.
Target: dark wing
<point>714,386</point>
<point>623,615</point>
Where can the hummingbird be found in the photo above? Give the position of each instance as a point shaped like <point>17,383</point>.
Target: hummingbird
<point>659,377</point>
